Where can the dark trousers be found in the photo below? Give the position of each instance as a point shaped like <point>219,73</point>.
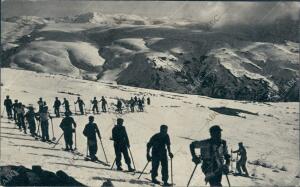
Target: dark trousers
<point>21,122</point>
<point>103,108</point>
<point>68,136</point>
<point>15,115</point>
<point>45,130</point>
<point>93,148</point>
<point>9,112</point>
<point>132,108</point>
<point>242,164</point>
<point>119,150</point>
<point>81,109</point>
<point>95,107</point>
<point>56,111</point>
<point>67,109</point>
<point>212,174</point>
<point>163,159</point>
<point>32,127</point>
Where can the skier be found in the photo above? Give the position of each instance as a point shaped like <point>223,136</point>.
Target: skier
<point>135,99</point>
<point>14,107</point>
<point>140,104</point>
<point>67,105</point>
<point>143,100</point>
<point>80,104</point>
<point>20,116</point>
<point>40,103</point>
<point>241,163</point>
<point>158,143</point>
<point>30,117</point>
<point>213,152</point>
<point>90,131</point>
<point>132,103</point>
<point>56,106</point>
<point>44,117</point>
<point>95,105</point>
<point>8,105</point>
<point>119,106</point>
<point>104,103</point>
<point>66,126</point>
<point>148,100</point>
<point>121,144</point>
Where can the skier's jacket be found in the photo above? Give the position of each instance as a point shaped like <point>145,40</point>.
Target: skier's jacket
<point>95,102</point>
<point>44,114</point>
<point>90,131</point>
<point>66,103</point>
<point>30,116</point>
<point>8,103</point>
<point>57,104</point>
<point>158,142</point>
<point>80,102</point>
<point>212,154</point>
<point>20,110</point>
<point>66,124</point>
<point>104,102</point>
<point>242,152</point>
<point>119,136</point>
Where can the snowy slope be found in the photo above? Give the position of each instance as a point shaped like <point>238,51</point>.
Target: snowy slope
<point>135,51</point>
<point>269,131</point>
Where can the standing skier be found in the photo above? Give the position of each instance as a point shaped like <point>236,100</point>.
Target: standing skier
<point>67,105</point>
<point>241,163</point>
<point>31,116</point>
<point>121,144</point>
<point>90,131</point>
<point>131,103</point>
<point>119,106</point>
<point>20,117</point>
<point>148,100</point>
<point>41,104</point>
<point>8,105</point>
<point>140,104</point>
<point>213,152</point>
<point>80,104</point>
<point>14,107</point>
<point>95,105</point>
<point>158,143</point>
<point>56,106</point>
<point>44,117</point>
<point>67,126</point>
<point>104,103</point>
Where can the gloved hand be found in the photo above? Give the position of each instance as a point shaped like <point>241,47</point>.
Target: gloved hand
<point>196,160</point>
<point>148,157</point>
<point>73,130</point>
<point>226,169</point>
<point>171,155</point>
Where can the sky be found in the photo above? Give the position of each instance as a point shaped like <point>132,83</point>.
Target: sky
<point>196,10</point>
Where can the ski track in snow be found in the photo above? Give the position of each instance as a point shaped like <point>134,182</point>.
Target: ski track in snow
<point>270,137</point>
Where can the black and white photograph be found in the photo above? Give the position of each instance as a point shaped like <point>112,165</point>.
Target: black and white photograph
<point>149,93</point>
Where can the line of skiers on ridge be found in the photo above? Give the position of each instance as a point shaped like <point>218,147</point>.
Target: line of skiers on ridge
<point>214,153</point>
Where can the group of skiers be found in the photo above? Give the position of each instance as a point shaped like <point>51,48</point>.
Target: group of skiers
<point>213,151</point>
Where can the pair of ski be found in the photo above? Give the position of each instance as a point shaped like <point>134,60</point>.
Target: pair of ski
<point>87,158</point>
<point>74,152</point>
<point>159,183</point>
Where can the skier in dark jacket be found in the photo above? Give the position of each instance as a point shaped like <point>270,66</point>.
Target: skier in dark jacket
<point>80,104</point>
<point>67,126</point>
<point>121,144</point>
<point>132,104</point>
<point>56,106</point>
<point>213,152</point>
<point>104,103</point>
<point>140,104</point>
<point>41,104</point>
<point>95,105</point>
<point>20,117</point>
<point>8,105</point>
<point>31,116</point>
<point>90,131</point>
<point>158,143</point>
<point>148,100</point>
<point>14,107</point>
<point>67,105</point>
<point>241,163</point>
<point>119,106</point>
<point>44,120</point>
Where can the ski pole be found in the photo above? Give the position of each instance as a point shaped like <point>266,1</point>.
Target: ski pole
<point>103,150</point>
<point>75,140</point>
<point>172,172</point>
<point>192,175</point>
<point>75,109</point>
<point>38,131</point>
<point>87,147</point>
<point>231,165</point>
<point>58,140</point>
<point>143,170</point>
<point>228,180</point>
<point>53,137</point>
<point>131,158</point>
<point>113,164</point>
